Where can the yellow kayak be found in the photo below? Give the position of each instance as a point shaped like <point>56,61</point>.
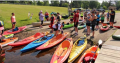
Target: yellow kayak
<point>77,49</point>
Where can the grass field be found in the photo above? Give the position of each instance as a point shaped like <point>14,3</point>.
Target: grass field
<point>21,13</point>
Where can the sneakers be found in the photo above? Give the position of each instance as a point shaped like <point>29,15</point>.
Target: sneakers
<point>61,32</point>
<point>76,33</point>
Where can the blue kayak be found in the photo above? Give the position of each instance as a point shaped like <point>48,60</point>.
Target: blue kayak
<point>37,43</point>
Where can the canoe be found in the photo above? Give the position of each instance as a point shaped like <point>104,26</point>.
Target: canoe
<point>5,42</point>
<point>104,27</point>
<point>37,24</point>
<point>54,41</point>
<point>68,25</point>
<point>37,43</point>
<point>11,32</point>
<point>28,39</point>
<point>88,55</point>
<point>62,52</point>
<point>116,37</point>
<point>81,26</point>
<point>117,27</point>
<point>8,36</point>
<point>77,49</point>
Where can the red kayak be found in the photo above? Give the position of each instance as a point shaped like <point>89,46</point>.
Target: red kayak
<point>54,41</point>
<point>62,52</point>
<point>104,27</point>
<point>117,27</point>
<point>11,32</point>
<point>28,40</point>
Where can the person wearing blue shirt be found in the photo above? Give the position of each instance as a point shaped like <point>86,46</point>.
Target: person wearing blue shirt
<point>98,19</point>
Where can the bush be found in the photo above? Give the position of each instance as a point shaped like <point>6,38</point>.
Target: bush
<point>104,7</point>
<point>65,5</point>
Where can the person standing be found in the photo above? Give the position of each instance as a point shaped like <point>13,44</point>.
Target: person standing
<point>98,19</point>
<point>102,17</point>
<point>58,18</point>
<point>88,23</point>
<point>94,17</point>
<point>112,17</point>
<point>41,17</point>
<point>46,16</point>
<point>71,18</point>
<point>13,21</point>
<point>81,15</point>
<point>1,30</point>
<point>52,18</point>
<point>76,19</point>
<point>108,15</point>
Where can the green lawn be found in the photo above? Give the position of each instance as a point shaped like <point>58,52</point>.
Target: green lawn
<point>21,13</point>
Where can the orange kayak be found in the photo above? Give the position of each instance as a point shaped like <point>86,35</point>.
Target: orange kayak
<point>54,41</point>
<point>88,55</point>
<point>5,42</point>
<point>62,52</point>
<point>29,39</point>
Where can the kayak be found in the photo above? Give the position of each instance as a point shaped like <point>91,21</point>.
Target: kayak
<point>116,37</point>
<point>11,32</point>
<point>81,26</point>
<point>88,55</point>
<point>54,41</point>
<point>117,27</point>
<point>28,39</point>
<point>77,49</point>
<point>37,24</point>
<point>62,52</point>
<point>5,42</point>
<point>68,25</point>
<point>105,27</point>
<point>8,36</point>
<point>37,43</point>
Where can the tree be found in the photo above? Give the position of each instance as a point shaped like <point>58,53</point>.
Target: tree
<point>93,4</point>
<point>117,5</point>
<point>54,3</point>
<point>76,4</point>
<point>104,7</point>
<point>46,3</point>
<point>105,3</point>
<point>65,5</point>
<point>85,4</point>
<point>40,3</point>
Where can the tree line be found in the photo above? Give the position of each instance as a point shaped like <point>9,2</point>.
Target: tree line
<point>73,4</point>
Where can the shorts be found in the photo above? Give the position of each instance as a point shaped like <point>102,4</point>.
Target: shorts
<point>97,23</point>
<point>93,27</point>
<point>55,29</point>
<point>76,25</point>
<point>46,17</point>
<point>102,21</point>
<point>71,19</point>
<point>88,24</point>
<point>41,22</point>
<point>13,22</point>
<point>58,22</point>
<point>111,19</point>
<point>107,17</point>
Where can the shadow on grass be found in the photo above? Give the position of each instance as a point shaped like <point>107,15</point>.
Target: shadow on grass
<point>25,20</point>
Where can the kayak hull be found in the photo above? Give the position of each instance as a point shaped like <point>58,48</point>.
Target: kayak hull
<point>77,50</point>
<point>116,37</point>
<point>61,54</point>
<point>8,36</point>
<point>54,41</point>
<point>117,27</point>
<point>68,26</point>
<point>27,40</point>
<point>8,41</point>
<point>10,31</point>
<point>89,54</point>
<point>36,43</point>
<point>104,29</point>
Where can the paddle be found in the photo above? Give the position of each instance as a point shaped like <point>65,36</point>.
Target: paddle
<point>99,43</point>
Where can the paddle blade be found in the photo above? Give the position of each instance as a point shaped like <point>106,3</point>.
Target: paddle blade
<point>100,42</point>
<point>55,61</point>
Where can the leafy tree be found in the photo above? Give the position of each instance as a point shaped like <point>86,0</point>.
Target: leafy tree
<point>65,5</point>
<point>46,3</point>
<point>76,4</point>
<point>105,3</point>
<point>54,3</point>
<point>40,3</point>
<point>85,4</point>
<point>104,7</point>
<point>93,4</point>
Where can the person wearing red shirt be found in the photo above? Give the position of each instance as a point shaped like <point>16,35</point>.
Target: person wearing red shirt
<point>13,21</point>
<point>46,16</point>
<point>76,19</point>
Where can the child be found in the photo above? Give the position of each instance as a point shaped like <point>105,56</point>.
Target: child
<point>41,17</point>
<point>102,17</point>
<point>13,21</point>
<point>52,18</point>
<point>46,16</point>
<point>1,30</point>
<point>58,18</point>
<point>58,27</point>
<point>71,18</point>
<point>98,19</point>
<point>88,23</point>
<point>31,16</point>
<point>108,15</point>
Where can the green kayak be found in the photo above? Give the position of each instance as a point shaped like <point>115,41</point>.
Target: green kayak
<point>68,25</point>
<point>116,37</point>
<point>81,26</point>
<point>8,36</point>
